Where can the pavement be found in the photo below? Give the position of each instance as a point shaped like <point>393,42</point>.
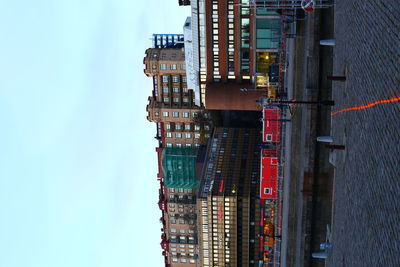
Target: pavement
<point>366,216</point>
<point>356,204</point>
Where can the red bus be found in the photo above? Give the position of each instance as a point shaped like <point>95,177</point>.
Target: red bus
<point>269,174</point>
<point>271,125</point>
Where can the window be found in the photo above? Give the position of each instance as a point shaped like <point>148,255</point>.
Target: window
<point>175,79</point>
<point>174,259</point>
<point>176,99</point>
<point>197,136</point>
<point>181,221</point>
<point>163,66</point>
<point>173,221</point>
<point>172,66</point>
<point>188,145</point>
<point>179,145</point>
<point>166,99</point>
<point>175,89</point>
<point>268,33</point>
<point>165,79</point>
<point>165,89</point>
<point>182,231</point>
<point>206,127</point>
<point>172,190</point>
<point>173,230</point>
<point>168,126</point>
<point>183,260</point>
<point>188,135</point>
<point>184,79</point>
<point>185,90</point>
<point>188,127</point>
<point>183,67</point>
<point>192,261</point>
<point>169,145</point>
<point>268,191</point>
<point>178,126</point>
<point>186,100</point>
<point>197,127</point>
<point>195,114</point>
<point>175,114</point>
<point>178,135</point>
<point>269,137</point>
<point>165,114</point>
<point>185,114</point>
<point>154,66</point>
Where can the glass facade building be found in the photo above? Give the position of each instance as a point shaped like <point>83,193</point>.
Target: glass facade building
<point>180,168</point>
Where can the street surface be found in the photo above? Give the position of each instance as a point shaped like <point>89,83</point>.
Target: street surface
<point>366,216</point>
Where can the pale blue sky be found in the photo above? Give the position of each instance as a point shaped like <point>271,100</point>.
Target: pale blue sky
<point>77,162</point>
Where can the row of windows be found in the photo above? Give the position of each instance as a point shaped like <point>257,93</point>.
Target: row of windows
<point>215,40</point>
<point>183,260</point>
<point>187,127</point>
<point>173,221</point>
<point>180,145</point>
<point>181,246</point>
<point>231,44</point>
<point>171,205</point>
<point>202,41</point>
<point>175,78</point>
<point>175,114</point>
<point>176,99</point>
<point>175,89</point>
<point>182,252</point>
<point>171,66</point>
<point>181,210</point>
<point>182,231</point>
<point>180,190</point>
<point>179,135</point>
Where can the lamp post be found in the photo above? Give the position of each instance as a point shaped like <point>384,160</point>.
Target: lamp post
<point>281,102</point>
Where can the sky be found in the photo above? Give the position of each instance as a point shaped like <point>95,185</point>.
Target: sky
<point>78,165</point>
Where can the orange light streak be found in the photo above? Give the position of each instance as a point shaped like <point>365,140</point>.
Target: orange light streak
<point>395,99</point>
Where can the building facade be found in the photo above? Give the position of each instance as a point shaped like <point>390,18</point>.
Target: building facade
<point>182,127</point>
<point>228,206</point>
<point>236,43</point>
<point>168,40</point>
<point>178,189</point>
<point>180,122</point>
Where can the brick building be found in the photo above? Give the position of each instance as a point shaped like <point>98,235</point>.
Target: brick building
<point>182,127</point>
<point>236,43</point>
<point>180,122</point>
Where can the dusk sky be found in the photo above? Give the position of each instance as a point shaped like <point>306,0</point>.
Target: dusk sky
<point>77,161</point>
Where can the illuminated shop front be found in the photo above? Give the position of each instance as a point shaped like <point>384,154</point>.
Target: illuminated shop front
<point>267,71</point>
<point>267,235</point>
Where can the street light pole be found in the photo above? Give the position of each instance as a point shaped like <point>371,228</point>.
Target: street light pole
<point>270,101</point>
